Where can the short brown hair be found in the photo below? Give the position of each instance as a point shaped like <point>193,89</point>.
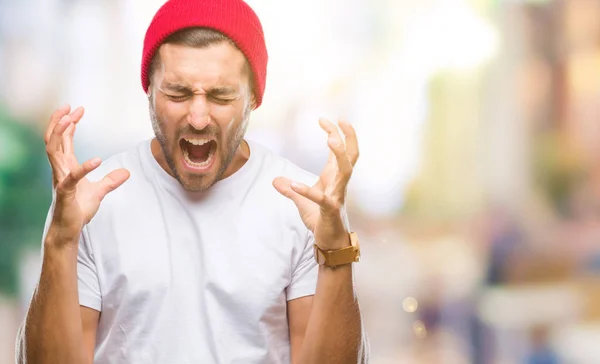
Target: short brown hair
<point>198,37</point>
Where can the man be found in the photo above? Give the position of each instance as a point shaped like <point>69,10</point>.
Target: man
<point>205,251</point>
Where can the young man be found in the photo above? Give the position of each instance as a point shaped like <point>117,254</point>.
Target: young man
<point>209,248</point>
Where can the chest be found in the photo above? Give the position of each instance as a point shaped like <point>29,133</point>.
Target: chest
<point>230,263</point>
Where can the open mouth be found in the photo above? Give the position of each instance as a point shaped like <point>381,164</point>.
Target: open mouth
<point>198,153</point>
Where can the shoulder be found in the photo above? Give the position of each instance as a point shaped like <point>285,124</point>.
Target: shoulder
<point>140,179</point>
<point>273,165</point>
<point>129,159</point>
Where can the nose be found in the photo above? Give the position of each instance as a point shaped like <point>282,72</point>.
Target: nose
<point>199,113</point>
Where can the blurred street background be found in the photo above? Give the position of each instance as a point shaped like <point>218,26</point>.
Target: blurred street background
<point>477,195</point>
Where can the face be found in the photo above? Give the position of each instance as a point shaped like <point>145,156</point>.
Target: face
<point>200,103</point>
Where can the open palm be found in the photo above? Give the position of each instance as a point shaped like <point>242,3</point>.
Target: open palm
<point>76,199</point>
<point>321,205</point>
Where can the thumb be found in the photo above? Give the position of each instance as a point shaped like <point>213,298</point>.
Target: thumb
<point>284,186</point>
<point>112,181</point>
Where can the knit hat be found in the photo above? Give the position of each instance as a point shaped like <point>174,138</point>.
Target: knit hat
<point>233,18</point>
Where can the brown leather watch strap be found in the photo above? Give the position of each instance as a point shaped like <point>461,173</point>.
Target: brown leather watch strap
<point>334,258</point>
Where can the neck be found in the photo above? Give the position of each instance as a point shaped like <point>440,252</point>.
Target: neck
<point>242,154</point>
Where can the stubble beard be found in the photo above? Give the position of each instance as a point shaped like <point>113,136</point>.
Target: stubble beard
<point>234,140</point>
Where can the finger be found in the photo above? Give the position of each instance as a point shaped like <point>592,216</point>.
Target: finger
<point>76,174</point>
<point>67,142</point>
<point>77,114</point>
<point>338,149</point>
<point>54,119</point>
<point>351,141</point>
<point>55,142</point>
<point>112,181</point>
<point>327,125</point>
<point>54,146</point>
<point>69,135</point>
<point>283,186</point>
<point>332,131</point>
<point>67,139</point>
<point>336,144</point>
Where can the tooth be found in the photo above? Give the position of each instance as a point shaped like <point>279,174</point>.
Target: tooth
<point>197,141</point>
<point>197,165</point>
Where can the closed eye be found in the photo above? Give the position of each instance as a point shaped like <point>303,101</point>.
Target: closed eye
<point>222,100</point>
<point>177,98</point>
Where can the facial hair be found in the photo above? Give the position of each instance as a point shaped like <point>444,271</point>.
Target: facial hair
<point>233,141</point>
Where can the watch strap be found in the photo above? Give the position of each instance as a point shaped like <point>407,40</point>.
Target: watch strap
<point>334,258</point>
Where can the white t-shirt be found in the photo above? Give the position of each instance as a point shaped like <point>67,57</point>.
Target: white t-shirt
<point>195,278</point>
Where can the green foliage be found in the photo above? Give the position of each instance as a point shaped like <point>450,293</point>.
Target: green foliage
<point>25,195</point>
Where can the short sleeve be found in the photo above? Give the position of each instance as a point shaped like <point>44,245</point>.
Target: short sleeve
<point>304,276</point>
<point>87,276</point>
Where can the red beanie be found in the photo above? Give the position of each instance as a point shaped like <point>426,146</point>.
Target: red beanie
<point>234,18</point>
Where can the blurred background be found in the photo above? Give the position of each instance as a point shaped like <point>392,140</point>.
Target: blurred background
<point>477,195</point>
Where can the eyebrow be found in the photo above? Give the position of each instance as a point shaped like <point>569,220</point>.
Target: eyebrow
<point>215,91</point>
<point>176,88</point>
<point>223,91</point>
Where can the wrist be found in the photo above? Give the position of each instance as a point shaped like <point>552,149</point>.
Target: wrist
<point>59,238</point>
<point>348,252</point>
<point>339,242</point>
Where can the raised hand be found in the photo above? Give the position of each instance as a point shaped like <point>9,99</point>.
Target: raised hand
<point>75,199</point>
<point>321,205</point>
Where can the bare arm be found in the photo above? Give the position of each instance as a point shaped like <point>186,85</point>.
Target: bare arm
<point>56,329</point>
<point>333,327</point>
<point>89,322</point>
<point>327,327</point>
<point>298,315</point>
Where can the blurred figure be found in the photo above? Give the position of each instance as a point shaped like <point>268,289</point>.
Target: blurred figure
<point>542,352</point>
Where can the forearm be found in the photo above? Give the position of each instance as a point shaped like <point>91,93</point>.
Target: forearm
<point>334,331</point>
<point>52,331</point>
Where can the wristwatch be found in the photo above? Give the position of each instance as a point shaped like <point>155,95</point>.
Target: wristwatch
<point>334,258</point>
